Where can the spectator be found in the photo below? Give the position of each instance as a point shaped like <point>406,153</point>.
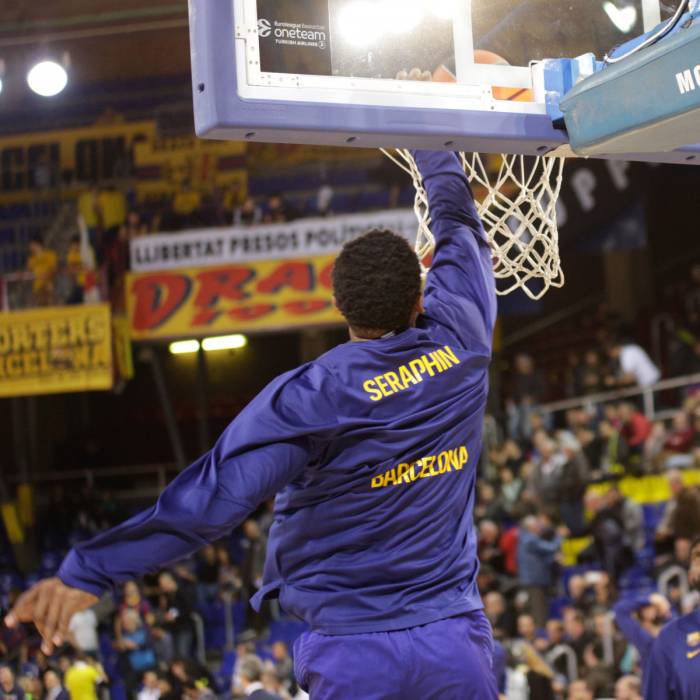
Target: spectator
<point>248,214</point>
<point>150,687</point>
<point>635,428</point>
<point>254,544</point>
<point>577,636</point>
<point>681,517</point>
<point>208,571</point>
<point>573,480</point>
<point>640,619</point>
<point>592,379</point>
<point>76,271</point>
<point>82,631</point>
<point>284,666</point>
<point>628,688</point>
<point>54,686</point>
<point>176,610</point>
<point>511,491</point>
<point>248,680</point>
<point>536,557</point>
<point>680,439</point>
<point>634,366</point>
<point>137,654</point>
<point>615,450</point>
<point>488,548</point>
<point>599,676</point>
<point>527,392</point>
<point>83,677</point>
<point>500,615</point>
<point>9,689</point>
<point>580,594</point>
<point>277,211</point>
<point>630,514</point>
<point>527,629</point>
<point>43,264</point>
<point>610,548</point>
<point>580,690</point>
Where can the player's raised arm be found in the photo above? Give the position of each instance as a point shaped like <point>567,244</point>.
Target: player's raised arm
<point>264,449</point>
<point>460,290</point>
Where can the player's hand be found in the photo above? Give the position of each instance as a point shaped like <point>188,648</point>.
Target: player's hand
<point>50,604</point>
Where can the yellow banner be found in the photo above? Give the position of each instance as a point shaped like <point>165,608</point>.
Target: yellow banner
<point>262,295</point>
<point>55,350</point>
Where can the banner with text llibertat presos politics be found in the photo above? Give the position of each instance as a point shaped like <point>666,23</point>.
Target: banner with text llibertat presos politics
<point>262,295</point>
<point>304,237</point>
<point>55,350</point>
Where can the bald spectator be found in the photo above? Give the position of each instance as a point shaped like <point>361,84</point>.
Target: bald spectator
<point>577,636</point>
<point>500,615</point>
<point>628,688</point>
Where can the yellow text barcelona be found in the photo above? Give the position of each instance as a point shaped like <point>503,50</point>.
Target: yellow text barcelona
<point>424,468</point>
<point>411,373</point>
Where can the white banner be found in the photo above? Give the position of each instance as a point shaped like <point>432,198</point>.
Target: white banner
<point>305,237</point>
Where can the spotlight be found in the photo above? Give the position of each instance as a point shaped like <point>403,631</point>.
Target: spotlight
<point>361,23</point>
<point>47,78</point>
<point>224,342</point>
<point>624,18</point>
<point>443,9</point>
<point>402,16</point>
<point>184,347</point>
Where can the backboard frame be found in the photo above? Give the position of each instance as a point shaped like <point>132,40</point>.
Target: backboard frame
<point>235,100</point>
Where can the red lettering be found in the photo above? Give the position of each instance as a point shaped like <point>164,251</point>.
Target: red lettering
<point>158,297</point>
<point>251,313</point>
<point>222,283</point>
<point>205,317</point>
<point>325,278</point>
<point>306,307</point>
<point>296,275</point>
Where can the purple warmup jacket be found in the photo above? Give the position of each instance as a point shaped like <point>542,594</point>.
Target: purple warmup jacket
<point>372,451</point>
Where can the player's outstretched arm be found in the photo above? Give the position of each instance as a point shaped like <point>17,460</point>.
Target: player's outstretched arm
<point>460,289</point>
<point>265,448</point>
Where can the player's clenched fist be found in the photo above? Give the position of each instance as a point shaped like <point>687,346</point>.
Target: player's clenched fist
<point>50,604</point>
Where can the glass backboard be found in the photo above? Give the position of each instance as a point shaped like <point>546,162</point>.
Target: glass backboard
<point>334,71</point>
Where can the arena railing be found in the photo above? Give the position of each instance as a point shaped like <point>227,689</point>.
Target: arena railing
<point>155,478</point>
<point>646,394</point>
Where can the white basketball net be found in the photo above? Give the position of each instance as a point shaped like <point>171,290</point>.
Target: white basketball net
<point>519,213</point>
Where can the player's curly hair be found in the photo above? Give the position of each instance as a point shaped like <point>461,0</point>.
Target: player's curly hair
<point>377,281</point>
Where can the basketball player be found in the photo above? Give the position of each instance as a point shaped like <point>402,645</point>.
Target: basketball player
<point>673,669</point>
<point>372,450</point>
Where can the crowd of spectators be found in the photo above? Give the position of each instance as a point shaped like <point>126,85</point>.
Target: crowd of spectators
<point>143,641</point>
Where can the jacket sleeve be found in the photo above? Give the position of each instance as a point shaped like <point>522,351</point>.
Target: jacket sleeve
<point>460,291</point>
<point>658,681</point>
<point>265,447</point>
<point>543,546</point>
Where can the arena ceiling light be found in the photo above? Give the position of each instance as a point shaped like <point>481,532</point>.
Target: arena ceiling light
<point>47,78</point>
<point>184,347</point>
<point>225,342</point>
<point>624,18</point>
<point>444,9</point>
<point>363,23</point>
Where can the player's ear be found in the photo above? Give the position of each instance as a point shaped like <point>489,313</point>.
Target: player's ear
<point>419,308</point>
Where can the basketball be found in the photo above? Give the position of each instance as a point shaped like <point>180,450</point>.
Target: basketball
<point>502,93</point>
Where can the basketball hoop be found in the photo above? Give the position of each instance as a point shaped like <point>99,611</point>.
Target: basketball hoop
<point>519,212</point>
